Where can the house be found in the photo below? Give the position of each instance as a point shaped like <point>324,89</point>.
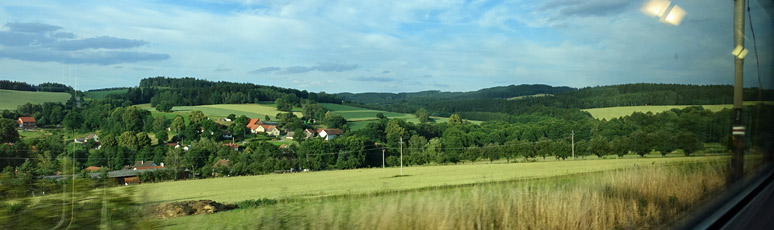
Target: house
<point>87,138</point>
<point>233,146</point>
<point>270,130</point>
<point>330,134</point>
<point>254,124</point>
<point>289,135</point>
<point>310,133</point>
<point>26,122</point>
<point>94,169</point>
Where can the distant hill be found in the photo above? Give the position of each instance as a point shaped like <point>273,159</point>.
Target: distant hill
<point>566,102</point>
<point>500,92</point>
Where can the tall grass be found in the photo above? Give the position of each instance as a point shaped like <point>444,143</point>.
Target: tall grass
<point>650,196</point>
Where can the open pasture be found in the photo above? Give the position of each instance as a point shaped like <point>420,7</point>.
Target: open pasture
<point>11,99</point>
<point>637,194</point>
<point>375,180</point>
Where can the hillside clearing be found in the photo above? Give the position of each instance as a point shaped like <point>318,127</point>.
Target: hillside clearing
<point>259,111</point>
<point>621,111</point>
<point>11,99</point>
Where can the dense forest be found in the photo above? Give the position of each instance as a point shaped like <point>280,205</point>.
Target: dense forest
<point>43,87</point>
<point>560,100</point>
<point>191,91</point>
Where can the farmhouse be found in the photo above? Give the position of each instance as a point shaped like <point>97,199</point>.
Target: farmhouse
<point>289,135</point>
<point>310,133</point>
<point>87,138</point>
<point>254,124</point>
<point>26,122</point>
<point>270,130</point>
<point>330,134</point>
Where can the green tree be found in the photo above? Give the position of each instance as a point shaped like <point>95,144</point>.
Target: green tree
<point>162,136</point>
<point>160,123</point>
<point>416,149</point>
<point>128,139</point>
<point>455,119</point>
<point>380,116</point>
<point>143,140</point>
<point>621,146</point>
<point>665,142</point>
<point>72,120</point>
<point>423,115</point>
<point>178,123</point>
<point>641,143</point>
<point>8,133</point>
<point>689,143</point>
<point>599,146</point>
<point>164,107</point>
<point>196,116</point>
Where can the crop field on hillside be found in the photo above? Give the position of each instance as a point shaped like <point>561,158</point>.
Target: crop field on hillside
<point>222,110</point>
<point>600,194</point>
<point>352,113</point>
<point>614,112</point>
<point>11,99</point>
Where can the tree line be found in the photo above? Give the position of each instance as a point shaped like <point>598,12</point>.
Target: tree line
<point>43,87</point>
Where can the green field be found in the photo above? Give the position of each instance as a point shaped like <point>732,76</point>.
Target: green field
<point>11,99</point>
<point>596,194</point>
<point>352,113</point>
<point>367,181</point>
<point>615,112</point>
<point>223,110</point>
<point>358,118</point>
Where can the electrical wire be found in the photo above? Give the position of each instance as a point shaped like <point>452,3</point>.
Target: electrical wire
<point>755,49</point>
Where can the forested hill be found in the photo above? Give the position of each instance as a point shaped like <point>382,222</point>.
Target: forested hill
<point>191,91</point>
<point>500,92</point>
<point>491,104</point>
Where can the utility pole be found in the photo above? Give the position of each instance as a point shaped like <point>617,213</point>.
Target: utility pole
<point>401,156</point>
<point>382,157</point>
<point>572,136</point>
<point>737,159</point>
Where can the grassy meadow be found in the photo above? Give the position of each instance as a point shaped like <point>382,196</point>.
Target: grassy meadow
<point>621,111</point>
<point>223,110</point>
<point>359,118</point>
<point>376,180</point>
<point>11,99</point>
<point>602,194</point>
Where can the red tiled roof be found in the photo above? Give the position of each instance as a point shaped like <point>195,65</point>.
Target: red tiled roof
<point>93,168</point>
<point>27,119</point>
<point>268,127</point>
<point>254,123</point>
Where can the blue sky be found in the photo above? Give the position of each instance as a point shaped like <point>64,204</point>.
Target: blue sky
<point>374,46</point>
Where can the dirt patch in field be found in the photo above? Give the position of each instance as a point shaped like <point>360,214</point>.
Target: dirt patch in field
<point>191,207</point>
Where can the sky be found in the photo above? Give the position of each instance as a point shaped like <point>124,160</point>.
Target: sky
<point>376,46</point>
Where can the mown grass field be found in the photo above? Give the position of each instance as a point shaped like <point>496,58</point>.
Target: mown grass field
<point>367,181</point>
<point>11,99</point>
<point>358,118</point>
<point>599,194</point>
<point>615,112</point>
<point>223,110</point>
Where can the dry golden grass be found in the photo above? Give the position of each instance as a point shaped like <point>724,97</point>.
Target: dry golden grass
<point>646,196</point>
